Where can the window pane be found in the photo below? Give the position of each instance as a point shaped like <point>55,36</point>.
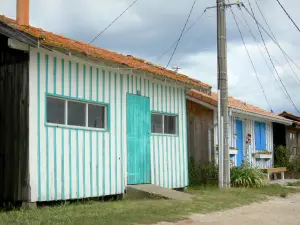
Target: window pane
<point>76,113</point>
<point>55,110</point>
<point>96,116</point>
<point>170,124</point>
<point>157,123</point>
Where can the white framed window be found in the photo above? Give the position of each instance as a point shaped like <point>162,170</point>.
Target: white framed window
<point>164,123</point>
<point>76,113</point>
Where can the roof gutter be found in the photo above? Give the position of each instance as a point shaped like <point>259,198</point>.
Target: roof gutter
<point>262,116</point>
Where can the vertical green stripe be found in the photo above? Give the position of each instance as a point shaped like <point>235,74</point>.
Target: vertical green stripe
<point>175,146</point>
<point>62,76</point>
<point>77,163</point>
<point>132,84</point>
<point>185,139</point>
<point>70,78</point>
<point>97,140</point>
<point>70,164</point>
<point>172,146</point>
<point>179,146</point>
<point>47,135</point>
<point>110,139</point>
<point>136,83</point>
<point>70,135</point>
<point>91,83</point>
<point>182,137</point>
<point>62,163</point>
<point>55,163</point>
<point>145,93</point>
<point>63,133</point>
<point>39,125</point>
<point>91,163</point>
<point>153,146</point>
<point>77,74</point>
<point>141,85</point>
<point>162,138</point>
<point>84,80</point>
<point>84,164</point>
<point>167,149</point>
<point>128,83</point>
<point>121,136</point>
<point>54,74</point>
<point>103,137</point>
<point>116,135</point>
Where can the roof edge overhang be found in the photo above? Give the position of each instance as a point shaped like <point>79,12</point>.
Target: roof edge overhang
<point>272,119</point>
<point>207,105</point>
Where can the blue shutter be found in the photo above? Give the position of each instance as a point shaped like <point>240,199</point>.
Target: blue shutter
<point>263,142</point>
<point>257,136</point>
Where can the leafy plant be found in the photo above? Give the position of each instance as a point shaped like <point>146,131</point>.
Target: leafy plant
<point>281,156</point>
<point>201,173</point>
<point>247,176</point>
<point>294,164</point>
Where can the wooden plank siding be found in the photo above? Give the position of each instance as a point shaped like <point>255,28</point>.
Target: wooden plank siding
<point>13,123</point>
<point>200,119</point>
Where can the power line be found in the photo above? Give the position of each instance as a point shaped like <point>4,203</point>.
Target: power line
<point>285,56</point>
<point>288,15</point>
<point>272,38</point>
<point>289,97</point>
<point>258,46</point>
<point>187,20</point>
<point>251,60</point>
<point>112,22</point>
<point>186,31</point>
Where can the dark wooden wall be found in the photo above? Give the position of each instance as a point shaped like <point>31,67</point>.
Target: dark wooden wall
<point>13,123</point>
<point>200,119</point>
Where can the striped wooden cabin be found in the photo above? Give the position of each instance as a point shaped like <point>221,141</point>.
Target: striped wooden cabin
<point>96,120</point>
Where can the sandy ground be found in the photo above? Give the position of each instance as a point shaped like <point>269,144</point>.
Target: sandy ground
<point>283,211</point>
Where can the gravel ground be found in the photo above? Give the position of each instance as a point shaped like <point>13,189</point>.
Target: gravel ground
<point>275,211</point>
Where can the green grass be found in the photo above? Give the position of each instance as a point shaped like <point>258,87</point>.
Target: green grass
<point>143,211</point>
<point>294,183</point>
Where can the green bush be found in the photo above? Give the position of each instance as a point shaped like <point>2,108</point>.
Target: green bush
<point>282,156</point>
<point>202,173</point>
<point>247,176</point>
<point>294,164</point>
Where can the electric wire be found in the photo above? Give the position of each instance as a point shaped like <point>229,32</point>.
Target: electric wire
<point>264,93</point>
<point>285,56</point>
<point>187,20</point>
<point>289,97</point>
<point>288,15</point>
<point>115,20</point>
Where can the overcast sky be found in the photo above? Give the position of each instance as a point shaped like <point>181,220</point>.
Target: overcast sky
<point>151,26</point>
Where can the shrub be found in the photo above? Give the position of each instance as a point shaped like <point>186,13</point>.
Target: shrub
<point>201,173</point>
<point>294,164</point>
<point>247,176</point>
<point>281,156</point>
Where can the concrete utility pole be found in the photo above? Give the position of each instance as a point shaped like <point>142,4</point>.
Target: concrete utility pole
<point>223,86</point>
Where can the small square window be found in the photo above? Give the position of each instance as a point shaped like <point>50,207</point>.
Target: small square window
<point>169,124</point>
<point>55,110</point>
<point>96,116</point>
<point>157,123</point>
<point>76,114</point>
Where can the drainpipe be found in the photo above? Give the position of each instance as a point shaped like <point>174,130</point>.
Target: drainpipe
<point>209,140</point>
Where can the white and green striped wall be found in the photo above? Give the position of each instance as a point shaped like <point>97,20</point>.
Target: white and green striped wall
<point>72,163</point>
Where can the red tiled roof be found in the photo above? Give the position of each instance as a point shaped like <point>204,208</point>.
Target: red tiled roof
<point>234,104</point>
<point>289,114</point>
<point>58,41</point>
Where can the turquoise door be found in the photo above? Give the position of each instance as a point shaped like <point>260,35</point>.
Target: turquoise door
<point>138,139</point>
<point>239,142</point>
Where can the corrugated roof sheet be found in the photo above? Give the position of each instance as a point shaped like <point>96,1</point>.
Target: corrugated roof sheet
<point>58,41</point>
<point>234,104</point>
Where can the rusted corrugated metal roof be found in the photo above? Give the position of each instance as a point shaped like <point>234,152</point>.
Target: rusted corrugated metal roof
<point>58,41</point>
<point>234,104</point>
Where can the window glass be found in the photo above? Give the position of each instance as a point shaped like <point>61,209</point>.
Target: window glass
<point>96,116</point>
<point>55,110</point>
<point>170,124</point>
<point>76,113</point>
<point>157,123</point>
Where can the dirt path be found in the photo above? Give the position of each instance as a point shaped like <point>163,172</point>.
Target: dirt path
<point>273,212</point>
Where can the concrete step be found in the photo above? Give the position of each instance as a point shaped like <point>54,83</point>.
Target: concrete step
<point>151,189</point>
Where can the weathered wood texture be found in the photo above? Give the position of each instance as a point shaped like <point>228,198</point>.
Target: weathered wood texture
<point>200,119</point>
<point>13,123</point>
<point>293,140</point>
